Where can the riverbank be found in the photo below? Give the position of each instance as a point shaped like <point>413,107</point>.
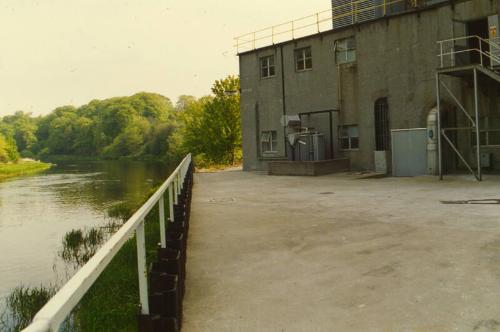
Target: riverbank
<point>22,168</point>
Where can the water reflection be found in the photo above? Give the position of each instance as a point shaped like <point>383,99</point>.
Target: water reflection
<point>36,212</point>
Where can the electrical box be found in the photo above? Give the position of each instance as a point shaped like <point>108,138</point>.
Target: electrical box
<point>485,159</point>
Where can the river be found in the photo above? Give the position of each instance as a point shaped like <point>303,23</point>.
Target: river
<point>36,212</point>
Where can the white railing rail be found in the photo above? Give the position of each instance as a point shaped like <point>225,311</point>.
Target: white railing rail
<point>50,317</point>
<point>487,49</point>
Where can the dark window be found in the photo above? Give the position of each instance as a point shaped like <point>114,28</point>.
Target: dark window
<point>382,134</point>
<point>349,137</point>
<point>303,59</point>
<point>267,67</point>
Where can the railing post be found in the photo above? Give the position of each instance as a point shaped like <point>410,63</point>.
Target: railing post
<point>176,192</point>
<point>317,21</point>
<point>480,50</point>
<point>441,53</point>
<point>163,239</point>
<point>272,34</point>
<point>171,202</point>
<point>253,41</point>
<point>141,268</point>
<point>385,7</point>
<point>293,30</point>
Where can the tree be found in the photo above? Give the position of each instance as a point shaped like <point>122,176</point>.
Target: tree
<point>211,125</point>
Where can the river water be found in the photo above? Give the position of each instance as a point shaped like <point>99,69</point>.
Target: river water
<point>36,212</point>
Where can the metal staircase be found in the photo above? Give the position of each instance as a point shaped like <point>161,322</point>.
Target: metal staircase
<point>477,60</point>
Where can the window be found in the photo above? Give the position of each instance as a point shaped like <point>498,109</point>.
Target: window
<point>269,141</point>
<point>303,59</point>
<point>267,67</point>
<point>382,134</point>
<point>345,51</point>
<point>349,137</point>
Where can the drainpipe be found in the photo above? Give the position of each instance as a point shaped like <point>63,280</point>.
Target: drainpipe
<point>283,99</point>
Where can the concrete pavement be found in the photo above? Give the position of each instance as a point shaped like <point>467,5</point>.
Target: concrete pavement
<point>334,253</point>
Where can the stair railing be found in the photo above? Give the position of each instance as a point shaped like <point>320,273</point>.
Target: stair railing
<point>447,48</point>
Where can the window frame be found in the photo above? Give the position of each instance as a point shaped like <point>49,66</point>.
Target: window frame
<point>349,137</point>
<point>301,57</point>
<point>265,64</point>
<point>272,140</point>
<point>343,47</point>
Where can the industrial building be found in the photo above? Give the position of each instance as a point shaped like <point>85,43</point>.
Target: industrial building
<point>404,87</point>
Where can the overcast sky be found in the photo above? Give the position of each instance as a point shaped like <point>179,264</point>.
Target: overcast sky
<point>60,52</point>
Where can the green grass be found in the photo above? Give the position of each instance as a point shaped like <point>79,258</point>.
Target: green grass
<point>22,168</point>
<point>22,304</point>
<point>112,303</point>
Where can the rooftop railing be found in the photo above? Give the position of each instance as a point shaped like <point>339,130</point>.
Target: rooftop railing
<point>50,317</point>
<point>339,16</point>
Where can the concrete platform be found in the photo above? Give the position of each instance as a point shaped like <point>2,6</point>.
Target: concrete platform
<point>308,168</point>
<point>334,253</point>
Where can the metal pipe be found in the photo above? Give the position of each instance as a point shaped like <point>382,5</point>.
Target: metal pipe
<point>141,268</point>
<point>438,102</point>
<point>478,134</point>
<point>283,98</point>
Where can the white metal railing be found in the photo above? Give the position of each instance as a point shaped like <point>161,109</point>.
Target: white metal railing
<point>336,17</point>
<point>488,50</point>
<point>50,317</point>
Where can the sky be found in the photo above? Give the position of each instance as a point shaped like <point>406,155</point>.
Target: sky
<point>69,52</point>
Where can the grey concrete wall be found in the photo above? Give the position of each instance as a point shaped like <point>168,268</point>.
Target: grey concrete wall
<point>396,59</point>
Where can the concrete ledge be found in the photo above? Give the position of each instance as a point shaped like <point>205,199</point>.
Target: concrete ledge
<point>308,168</point>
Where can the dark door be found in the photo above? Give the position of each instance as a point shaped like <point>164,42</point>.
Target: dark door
<point>478,28</point>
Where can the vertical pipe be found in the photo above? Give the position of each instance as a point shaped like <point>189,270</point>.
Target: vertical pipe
<point>141,268</point>
<point>171,202</point>
<point>161,206</point>
<point>478,133</point>
<point>283,98</point>
<point>438,101</point>
<point>331,133</point>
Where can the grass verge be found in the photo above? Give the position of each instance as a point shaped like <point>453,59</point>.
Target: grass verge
<point>22,168</point>
<point>112,302</point>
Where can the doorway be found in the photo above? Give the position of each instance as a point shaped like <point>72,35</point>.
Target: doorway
<point>478,28</point>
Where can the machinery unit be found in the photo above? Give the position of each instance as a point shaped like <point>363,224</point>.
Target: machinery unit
<point>310,147</point>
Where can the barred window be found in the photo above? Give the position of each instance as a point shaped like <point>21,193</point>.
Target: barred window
<point>382,130</point>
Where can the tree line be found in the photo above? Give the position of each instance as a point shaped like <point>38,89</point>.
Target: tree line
<point>141,126</point>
